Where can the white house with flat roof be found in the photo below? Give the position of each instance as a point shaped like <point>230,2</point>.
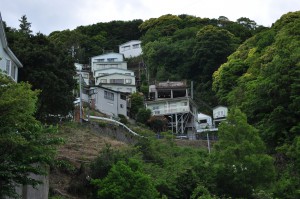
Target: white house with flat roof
<point>110,71</point>
<point>9,63</point>
<point>131,48</point>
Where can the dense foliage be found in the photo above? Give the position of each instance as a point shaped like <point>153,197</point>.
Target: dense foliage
<point>262,79</point>
<point>47,67</point>
<point>192,48</point>
<point>25,144</point>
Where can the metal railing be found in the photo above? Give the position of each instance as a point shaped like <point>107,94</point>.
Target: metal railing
<point>116,122</point>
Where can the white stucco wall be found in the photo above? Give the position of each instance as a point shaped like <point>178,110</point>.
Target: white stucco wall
<point>131,49</point>
<point>220,112</point>
<point>102,72</point>
<point>112,106</point>
<point>109,79</point>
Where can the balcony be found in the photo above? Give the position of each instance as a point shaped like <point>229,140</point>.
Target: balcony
<point>171,110</point>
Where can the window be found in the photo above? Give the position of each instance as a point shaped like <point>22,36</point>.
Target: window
<point>128,81</point>
<point>123,97</point>
<point>129,89</point>
<point>103,80</point>
<point>116,81</point>
<point>135,46</point>
<point>13,71</point>
<point>108,95</point>
<point>184,103</point>
<point>100,60</point>
<point>121,105</point>
<point>126,48</point>
<point>111,59</point>
<point>155,107</point>
<point>8,63</point>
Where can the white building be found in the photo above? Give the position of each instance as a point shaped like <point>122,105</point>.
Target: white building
<point>110,71</point>
<point>109,101</point>
<point>204,121</point>
<point>131,49</point>
<point>85,74</point>
<point>9,63</point>
<point>219,114</point>
<point>172,100</point>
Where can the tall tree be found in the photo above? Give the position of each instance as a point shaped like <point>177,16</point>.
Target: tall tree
<point>25,25</point>
<point>241,160</point>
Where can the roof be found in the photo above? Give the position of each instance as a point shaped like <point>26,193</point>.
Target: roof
<point>130,42</point>
<point>5,45</point>
<point>220,106</point>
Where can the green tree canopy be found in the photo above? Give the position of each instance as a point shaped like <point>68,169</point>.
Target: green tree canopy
<point>241,163</point>
<point>25,145</point>
<point>126,180</point>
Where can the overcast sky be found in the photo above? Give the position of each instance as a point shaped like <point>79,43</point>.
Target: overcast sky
<point>47,16</point>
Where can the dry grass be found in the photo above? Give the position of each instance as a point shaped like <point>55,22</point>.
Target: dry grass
<point>82,145</point>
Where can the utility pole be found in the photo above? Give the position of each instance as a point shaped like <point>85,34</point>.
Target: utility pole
<point>80,96</point>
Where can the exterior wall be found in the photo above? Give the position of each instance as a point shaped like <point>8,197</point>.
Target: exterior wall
<point>85,77</point>
<point>168,107</point>
<point>201,121</point>
<point>108,60</point>
<point>131,49</point>
<point>102,72</point>
<point>9,63</point>
<point>12,69</point>
<point>110,102</point>
<point>104,65</point>
<point>220,112</point>
<point>111,79</point>
<point>120,88</point>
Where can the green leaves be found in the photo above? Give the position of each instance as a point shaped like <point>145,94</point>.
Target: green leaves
<point>241,159</point>
<point>25,145</point>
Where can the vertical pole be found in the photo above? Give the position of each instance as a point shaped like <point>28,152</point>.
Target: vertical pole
<point>208,143</point>
<point>192,89</point>
<point>80,96</point>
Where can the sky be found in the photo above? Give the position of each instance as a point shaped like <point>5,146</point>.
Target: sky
<point>47,16</point>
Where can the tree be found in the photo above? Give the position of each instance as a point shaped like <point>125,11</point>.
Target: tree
<point>25,145</point>
<point>241,163</point>
<point>137,102</point>
<point>126,180</point>
<point>25,25</point>
<point>49,68</point>
<point>143,115</point>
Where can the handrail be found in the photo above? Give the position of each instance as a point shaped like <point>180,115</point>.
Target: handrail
<point>117,122</point>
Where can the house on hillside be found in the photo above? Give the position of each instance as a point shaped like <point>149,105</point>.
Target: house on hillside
<point>84,71</point>
<point>109,101</point>
<point>219,114</point>
<point>110,71</point>
<point>131,49</point>
<point>172,100</point>
<point>9,63</point>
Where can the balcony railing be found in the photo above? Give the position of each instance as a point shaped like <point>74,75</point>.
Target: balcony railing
<point>170,110</point>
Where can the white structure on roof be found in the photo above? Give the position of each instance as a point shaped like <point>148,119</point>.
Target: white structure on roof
<point>110,71</point>
<point>9,63</point>
<point>131,48</point>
